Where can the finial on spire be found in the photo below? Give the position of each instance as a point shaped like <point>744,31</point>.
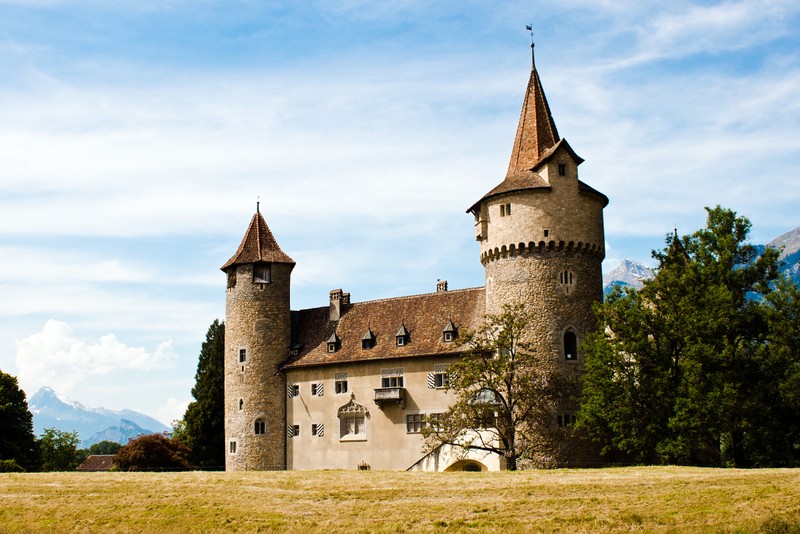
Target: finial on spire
<point>258,204</point>
<point>529,27</point>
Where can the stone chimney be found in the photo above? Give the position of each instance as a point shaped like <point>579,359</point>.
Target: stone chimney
<point>441,285</point>
<point>336,304</point>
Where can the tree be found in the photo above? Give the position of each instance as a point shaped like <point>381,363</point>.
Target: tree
<point>17,440</point>
<point>59,451</point>
<point>684,371</point>
<point>105,447</point>
<point>203,426</point>
<point>506,394</point>
<point>152,452</point>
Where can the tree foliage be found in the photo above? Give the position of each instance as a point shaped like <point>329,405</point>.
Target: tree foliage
<point>105,447</point>
<point>58,450</point>
<point>17,440</point>
<point>152,452</point>
<point>506,394</point>
<point>203,427</point>
<point>697,366</point>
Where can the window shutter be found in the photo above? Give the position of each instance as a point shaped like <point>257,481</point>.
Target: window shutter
<point>431,381</point>
<point>320,430</point>
<point>290,431</point>
<point>290,391</point>
<point>320,390</point>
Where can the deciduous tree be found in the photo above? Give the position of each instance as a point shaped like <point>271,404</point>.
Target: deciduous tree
<point>58,450</point>
<point>152,452</point>
<point>507,393</point>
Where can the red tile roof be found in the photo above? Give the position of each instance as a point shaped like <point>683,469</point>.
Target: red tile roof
<point>97,462</point>
<point>258,245</point>
<point>425,317</point>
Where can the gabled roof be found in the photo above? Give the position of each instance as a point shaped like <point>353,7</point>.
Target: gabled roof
<point>97,462</point>
<point>422,316</point>
<point>258,245</point>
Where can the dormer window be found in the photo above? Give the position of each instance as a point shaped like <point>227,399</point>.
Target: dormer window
<point>333,343</point>
<point>402,336</point>
<point>562,169</point>
<point>368,341</point>
<point>262,273</point>
<point>449,332</point>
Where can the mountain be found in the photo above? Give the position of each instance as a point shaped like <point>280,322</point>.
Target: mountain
<point>51,410</point>
<point>119,434</point>
<point>789,244</point>
<point>629,273</point>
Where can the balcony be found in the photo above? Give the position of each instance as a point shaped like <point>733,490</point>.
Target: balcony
<point>385,396</point>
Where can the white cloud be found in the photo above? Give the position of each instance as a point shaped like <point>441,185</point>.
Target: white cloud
<point>54,357</point>
<point>172,410</point>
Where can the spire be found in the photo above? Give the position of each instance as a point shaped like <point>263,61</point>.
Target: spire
<point>258,245</point>
<point>536,132</point>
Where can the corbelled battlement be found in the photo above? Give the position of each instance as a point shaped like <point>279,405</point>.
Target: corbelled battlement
<point>542,248</point>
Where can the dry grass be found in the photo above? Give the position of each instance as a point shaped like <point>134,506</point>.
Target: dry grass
<point>642,499</point>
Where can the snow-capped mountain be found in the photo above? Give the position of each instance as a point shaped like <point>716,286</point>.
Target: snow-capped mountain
<point>629,273</point>
<point>51,410</point>
<point>790,254</point>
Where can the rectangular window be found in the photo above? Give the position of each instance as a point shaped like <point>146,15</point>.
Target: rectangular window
<point>562,169</point>
<point>232,447</point>
<point>242,355</point>
<point>414,423</point>
<point>566,420</point>
<point>262,273</point>
<point>434,420</point>
<point>293,431</point>
<point>392,378</point>
<point>317,389</point>
<point>232,277</point>
<point>318,430</point>
<point>340,382</point>
<point>505,210</point>
<point>293,390</point>
<point>440,378</point>
<point>353,427</point>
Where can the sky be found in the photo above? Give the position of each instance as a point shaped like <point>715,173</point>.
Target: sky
<point>136,137</point>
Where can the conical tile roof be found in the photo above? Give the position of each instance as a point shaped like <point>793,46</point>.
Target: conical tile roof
<point>258,245</point>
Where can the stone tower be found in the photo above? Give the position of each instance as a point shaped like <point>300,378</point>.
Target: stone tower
<point>541,233</point>
<point>257,338</point>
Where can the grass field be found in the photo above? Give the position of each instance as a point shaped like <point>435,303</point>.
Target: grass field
<point>639,499</point>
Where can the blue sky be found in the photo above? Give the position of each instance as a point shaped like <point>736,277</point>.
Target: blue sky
<point>136,137</point>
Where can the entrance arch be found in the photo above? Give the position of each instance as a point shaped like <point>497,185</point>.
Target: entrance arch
<point>466,465</point>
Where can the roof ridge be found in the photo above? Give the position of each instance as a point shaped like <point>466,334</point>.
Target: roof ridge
<point>404,297</point>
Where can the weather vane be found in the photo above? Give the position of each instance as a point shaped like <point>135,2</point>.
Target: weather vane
<point>529,27</point>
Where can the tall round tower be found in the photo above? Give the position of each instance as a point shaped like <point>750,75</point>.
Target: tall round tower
<point>257,339</point>
<point>541,233</point>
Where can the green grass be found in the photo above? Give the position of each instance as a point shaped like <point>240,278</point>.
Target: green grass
<point>640,499</point>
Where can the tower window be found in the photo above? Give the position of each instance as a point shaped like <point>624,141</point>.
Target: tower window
<point>562,169</point>
<point>231,277</point>
<point>262,273</point>
<point>570,345</point>
<point>546,233</point>
<point>241,404</point>
<point>566,420</point>
<point>260,427</point>
<point>242,355</point>
<point>566,280</point>
<point>505,210</point>
<point>232,447</point>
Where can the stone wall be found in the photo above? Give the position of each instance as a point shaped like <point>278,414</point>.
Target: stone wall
<point>258,321</point>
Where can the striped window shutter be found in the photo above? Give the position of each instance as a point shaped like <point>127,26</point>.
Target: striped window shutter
<point>431,381</point>
<point>320,389</point>
<point>320,429</point>
<point>290,431</point>
<point>290,391</point>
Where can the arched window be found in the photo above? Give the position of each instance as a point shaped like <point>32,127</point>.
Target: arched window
<point>570,344</point>
<point>260,426</point>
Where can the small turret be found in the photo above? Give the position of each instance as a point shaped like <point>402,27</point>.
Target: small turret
<point>257,341</point>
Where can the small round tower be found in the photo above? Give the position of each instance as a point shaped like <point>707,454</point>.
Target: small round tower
<point>257,339</point>
<point>541,233</point>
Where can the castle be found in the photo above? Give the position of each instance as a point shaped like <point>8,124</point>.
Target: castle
<point>349,384</point>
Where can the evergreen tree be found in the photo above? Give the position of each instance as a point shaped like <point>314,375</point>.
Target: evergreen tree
<point>684,370</point>
<point>17,441</point>
<point>203,427</point>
